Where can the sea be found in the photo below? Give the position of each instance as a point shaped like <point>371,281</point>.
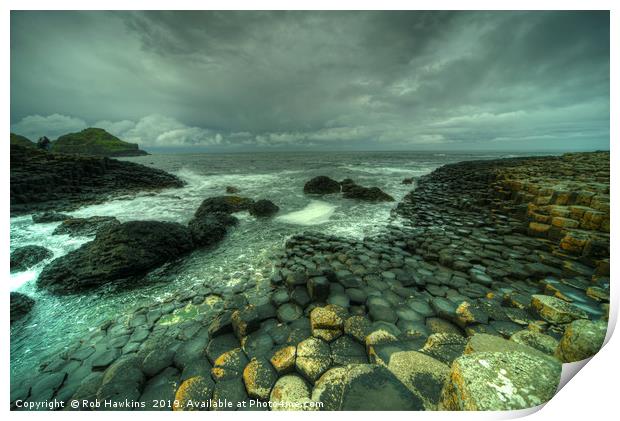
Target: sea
<point>248,250</point>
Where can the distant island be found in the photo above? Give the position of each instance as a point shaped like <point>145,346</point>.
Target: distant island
<point>96,142</point>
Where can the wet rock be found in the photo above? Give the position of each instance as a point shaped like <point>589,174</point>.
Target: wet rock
<point>257,344</point>
<point>321,185</point>
<point>327,322</point>
<point>219,345</point>
<point>157,360</point>
<point>470,313</point>
<point>44,181</point>
<point>230,364</point>
<point>290,393</point>
<point>364,387</point>
<point>45,387</point>
<point>424,376</point>
<point>209,229</point>
<point>437,325</point>
<point>122,381</point>
<point>582,339</point>
<point>189,351</point>
<point>223,204</point>
<point>192,393</point>
<point>554,310</point>
<point>103,358</point>
<point>505,328</point>
<point>23,258</point>
<point>537,340</point>
<point>280,296</point>
<point>380,310</point>
<point>318,288</point>
<point>300,296</point>
<point>500,381</point>
<point>444,346</point>
<point>345,350</point>
<point>350,190</point>
<point>161,388</point>
<point>263,208</point>
<point>245,321</point>
<point>122,251</point>
<point>47,217</point>
<point>289,312</point>
<point>313,358</point>
<point>358,327</point>
<point>221,324</point>
<point>232,189</point>
<point>87,390</point>
<point>259,377</point>
<point>231,390</point>
<point>197,367</point>
<point>490,343</point>
<point>85,227</point>
<point>283,360</point>
<point>21,305</point>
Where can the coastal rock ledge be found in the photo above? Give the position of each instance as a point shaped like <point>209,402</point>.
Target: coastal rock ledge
<point>44,181</point>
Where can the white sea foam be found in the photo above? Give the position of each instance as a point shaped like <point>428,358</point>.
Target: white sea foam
<point>315,213</point>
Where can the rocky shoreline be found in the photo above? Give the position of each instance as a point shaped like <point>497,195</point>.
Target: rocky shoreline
<point>488,277</point>
<point>44,181</point>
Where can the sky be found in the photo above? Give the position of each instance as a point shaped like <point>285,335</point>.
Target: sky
<point>269,81</point>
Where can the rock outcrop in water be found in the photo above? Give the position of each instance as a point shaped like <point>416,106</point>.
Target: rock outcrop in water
<point>351,190</point>
<point>442,311</point>
<point>223,204</point>
<point>47,217</point>
<point>208,229</point>
<point>95,142</point>
<point>322,185</point>
<point>264,208</point>
<point>85,227</point>
<point>23,258</point>
<point>43,181</point>
<point>119,252</point>
<point>21,305</point>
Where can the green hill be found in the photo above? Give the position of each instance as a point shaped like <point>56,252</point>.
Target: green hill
<point>17,139</point>
<point>97,142</point>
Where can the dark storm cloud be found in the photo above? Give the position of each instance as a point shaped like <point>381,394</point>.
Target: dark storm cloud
<point>379,80</point>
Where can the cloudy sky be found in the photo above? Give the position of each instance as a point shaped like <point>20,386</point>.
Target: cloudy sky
<point>235,81</point>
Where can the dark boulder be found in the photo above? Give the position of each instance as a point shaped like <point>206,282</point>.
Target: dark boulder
<point>264,208</point>
<point>85,227</point>
<point>223,204</point>
<point>408,180</point>
<point>350,190</point>
<point>20,305</point>
<point>45,217</point>
<point>210,229</point>
<point>322,185</point>
<point>232,189</point>
<point>120,252</point>
<point>23,258</point>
